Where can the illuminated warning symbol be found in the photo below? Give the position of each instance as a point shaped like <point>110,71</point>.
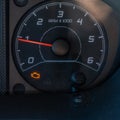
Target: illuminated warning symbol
<point>35,75</point>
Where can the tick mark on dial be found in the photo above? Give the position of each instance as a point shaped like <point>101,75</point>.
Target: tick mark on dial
<point>74,7</point>
<point>101,50</point>
<point>60,5</point>
<point>34,14</point>
<point>46,7</point>
<point>86,14</point>
<point>25,24</point>
<point>19,37</point>
<point>101,37</point>
<point>98,64</point>
<point>18,50</point>
<point>21,64</point>
<point>95,24</point>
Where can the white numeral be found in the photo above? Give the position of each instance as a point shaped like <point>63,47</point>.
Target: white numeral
<point>60,14</point>
<point>27,37</point>
<point>91,39</point>
<point>40,21</point>
<point>31,60</point>
<point>90,60</point>
<point>80,21</point>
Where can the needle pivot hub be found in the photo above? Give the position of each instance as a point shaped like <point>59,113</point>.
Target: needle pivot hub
<point>60,47</point>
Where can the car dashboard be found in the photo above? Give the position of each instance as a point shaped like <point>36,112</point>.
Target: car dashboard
<point>59,59</point>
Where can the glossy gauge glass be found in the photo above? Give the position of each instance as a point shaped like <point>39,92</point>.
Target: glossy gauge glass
<point>59,45</point>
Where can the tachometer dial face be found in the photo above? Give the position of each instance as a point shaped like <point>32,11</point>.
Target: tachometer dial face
<point>59,45</point>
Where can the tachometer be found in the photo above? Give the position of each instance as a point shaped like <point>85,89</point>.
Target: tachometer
<point>59,46</point>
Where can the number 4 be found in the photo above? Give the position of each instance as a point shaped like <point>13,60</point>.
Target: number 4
<point>80,21</point>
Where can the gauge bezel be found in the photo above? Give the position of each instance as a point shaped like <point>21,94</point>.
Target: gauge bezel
<point>111,50</point>
<point>42,4</point>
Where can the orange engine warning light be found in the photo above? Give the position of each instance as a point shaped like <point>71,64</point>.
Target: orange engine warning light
<point>35,75</point>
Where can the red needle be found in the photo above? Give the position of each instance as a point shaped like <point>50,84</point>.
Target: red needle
<point>34,42</point>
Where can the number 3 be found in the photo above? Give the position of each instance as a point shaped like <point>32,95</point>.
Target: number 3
<point>60,14</point>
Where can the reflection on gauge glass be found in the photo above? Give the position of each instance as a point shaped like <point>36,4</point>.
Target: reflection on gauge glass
<point>59,45</point>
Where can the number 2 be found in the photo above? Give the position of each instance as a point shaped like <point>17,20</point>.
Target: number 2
<point>40,21</point>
